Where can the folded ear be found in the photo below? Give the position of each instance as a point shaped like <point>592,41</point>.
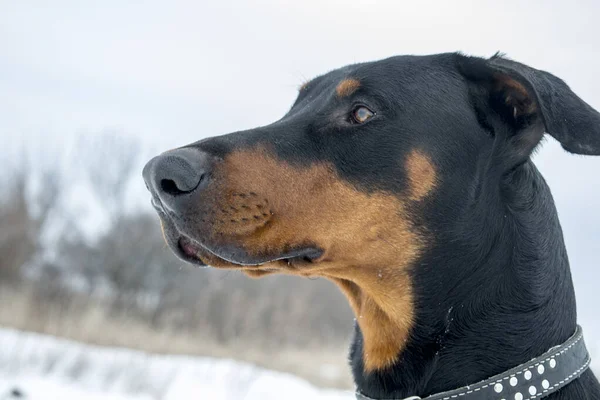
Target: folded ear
<point>533,102</point>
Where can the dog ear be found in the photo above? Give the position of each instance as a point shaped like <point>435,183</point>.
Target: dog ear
<point>533,102</point>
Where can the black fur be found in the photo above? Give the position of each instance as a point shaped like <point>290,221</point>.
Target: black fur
<point>493,289</point>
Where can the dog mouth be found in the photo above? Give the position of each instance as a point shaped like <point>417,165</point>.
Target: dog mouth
<point>230,254</point>
<point>200,254</point>
<point>196,253</point>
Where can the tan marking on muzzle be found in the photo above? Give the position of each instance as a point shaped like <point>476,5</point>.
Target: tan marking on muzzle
<point>367,238</point>
<point>347,87</point>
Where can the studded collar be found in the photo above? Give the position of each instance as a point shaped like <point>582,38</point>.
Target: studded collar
<point>535,379</point>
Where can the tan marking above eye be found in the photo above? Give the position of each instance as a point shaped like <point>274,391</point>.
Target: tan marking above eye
<point>347,87</point>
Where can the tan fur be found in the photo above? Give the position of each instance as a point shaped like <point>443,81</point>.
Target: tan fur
<point>421,175</point>
<point>383,305</point>
<point>347,87</point>
<point>368,240</point>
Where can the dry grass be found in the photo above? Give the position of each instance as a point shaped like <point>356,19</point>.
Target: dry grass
<point>88,321</point>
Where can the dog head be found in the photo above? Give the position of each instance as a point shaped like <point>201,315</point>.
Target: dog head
<point>351,182</point>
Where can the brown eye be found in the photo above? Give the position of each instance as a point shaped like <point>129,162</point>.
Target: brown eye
<point>361,114</point>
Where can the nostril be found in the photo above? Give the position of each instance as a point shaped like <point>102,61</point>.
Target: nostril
<point>175,188</point>
<point>169,186</point>
<point>176,173</point>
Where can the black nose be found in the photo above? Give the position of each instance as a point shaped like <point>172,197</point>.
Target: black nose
<point>176,173</point>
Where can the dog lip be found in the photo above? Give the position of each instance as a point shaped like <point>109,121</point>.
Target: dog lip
<point>188,252</point>
<point>190,249</point>
<point>157,205</point>
<point>308,254</point>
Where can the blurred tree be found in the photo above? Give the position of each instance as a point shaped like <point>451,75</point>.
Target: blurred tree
<point>23,215</point>
<point>109,162</point>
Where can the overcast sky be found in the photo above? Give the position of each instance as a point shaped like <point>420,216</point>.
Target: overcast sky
<point>173,72</point>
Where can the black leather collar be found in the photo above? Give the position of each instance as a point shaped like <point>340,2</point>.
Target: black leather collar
<point>535,379</point>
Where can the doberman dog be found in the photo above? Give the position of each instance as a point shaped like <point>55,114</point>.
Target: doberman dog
<point>407,182</point>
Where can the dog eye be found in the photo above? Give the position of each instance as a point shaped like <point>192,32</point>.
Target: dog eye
<point>361,114</point>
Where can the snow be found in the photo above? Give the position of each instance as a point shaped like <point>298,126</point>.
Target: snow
<point>45,367</point>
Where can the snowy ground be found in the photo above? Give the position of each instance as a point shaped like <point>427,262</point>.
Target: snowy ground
<point>45,368</point>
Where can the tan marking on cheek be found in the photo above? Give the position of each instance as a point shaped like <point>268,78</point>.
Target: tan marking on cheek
<point>421,175</point>
<point>347,87</point>
<point>368,240</point>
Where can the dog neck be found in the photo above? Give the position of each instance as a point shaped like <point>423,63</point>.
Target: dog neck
<point>494,294</point>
